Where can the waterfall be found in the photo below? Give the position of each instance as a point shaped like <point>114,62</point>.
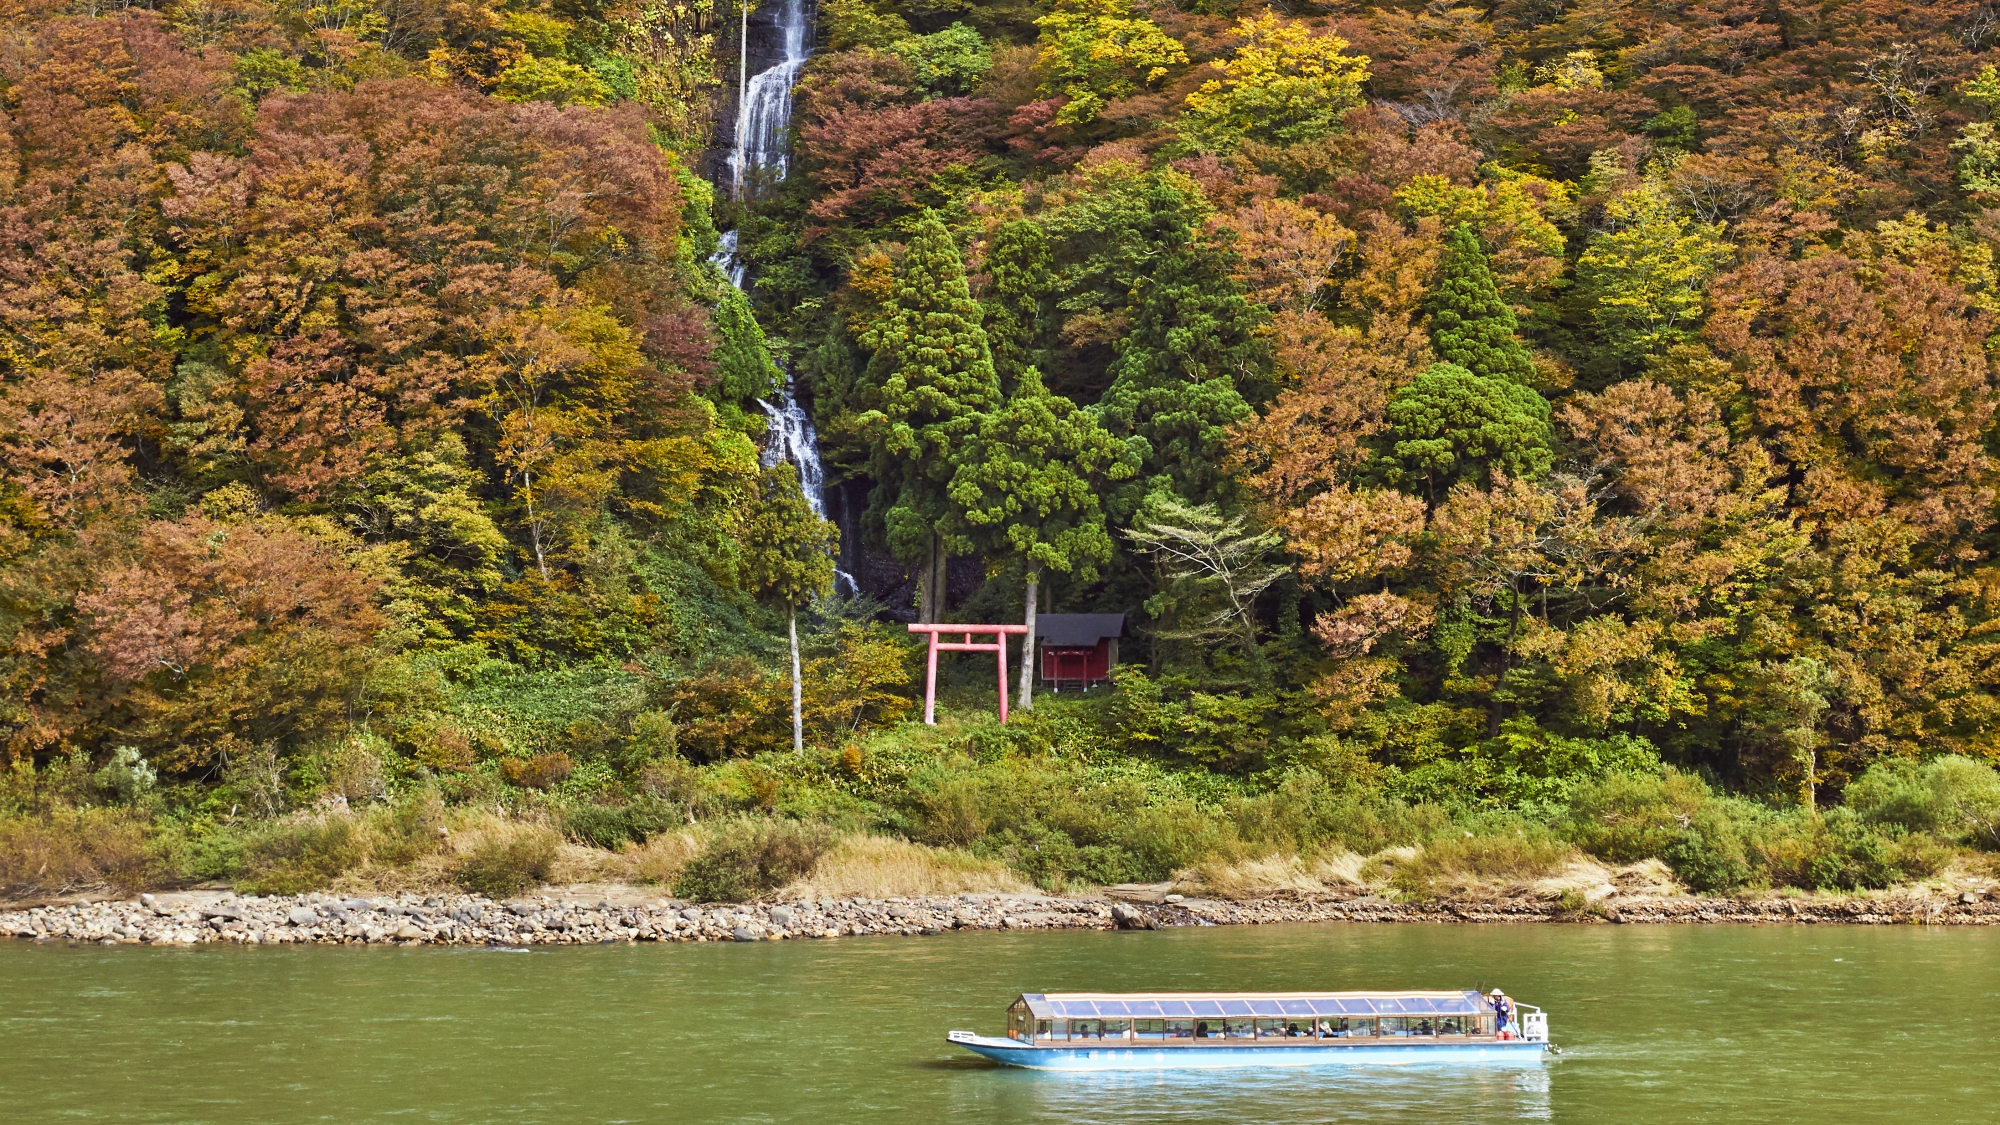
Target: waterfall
<point>762,119</point>
<point>791,438</point>
<point>725,259</point>
<point>765,112</point>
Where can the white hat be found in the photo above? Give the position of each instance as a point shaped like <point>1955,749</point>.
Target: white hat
<point>1496,992</point>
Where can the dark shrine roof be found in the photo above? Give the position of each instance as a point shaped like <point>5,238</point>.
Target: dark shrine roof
<point>1082,629</point>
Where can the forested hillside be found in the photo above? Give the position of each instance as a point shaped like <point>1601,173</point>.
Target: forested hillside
<point>1510,430</point>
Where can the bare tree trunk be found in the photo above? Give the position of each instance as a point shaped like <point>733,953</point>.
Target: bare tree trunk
<point>931,579</point>
<point>1027,692</point>
<point>798,712</point>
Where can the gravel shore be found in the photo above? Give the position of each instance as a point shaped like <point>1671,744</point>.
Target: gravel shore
<point>199,917</point>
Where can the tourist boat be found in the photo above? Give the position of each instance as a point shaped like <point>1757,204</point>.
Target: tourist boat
<point>1203,1030</point>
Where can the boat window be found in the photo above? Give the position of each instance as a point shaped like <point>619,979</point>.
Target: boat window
<point>1347,1027</point>
<point>1018,1022</point>
<point>1240,1029</point>
<point>1044,1029</point>
<point>1150,1029</point>
<point>1180,1029</point>
<point>1409,1025</point>
<point>1205,1029</point>
<point>1115,1029</point>
<point>1456,1025</point>
<point>1058,1029</point>
<point>1270,1029</point>
<point>1085,1029</point>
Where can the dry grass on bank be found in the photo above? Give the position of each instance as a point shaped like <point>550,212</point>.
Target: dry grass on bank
<point>659,860</point>
<point>1273,876</point>
<point>1465,866</point>
<point>72,849</point>
<point>885,867</point>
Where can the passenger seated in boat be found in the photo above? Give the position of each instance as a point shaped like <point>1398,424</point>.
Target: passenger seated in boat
<point>1292,1030</point>
<point>1201,1029</point>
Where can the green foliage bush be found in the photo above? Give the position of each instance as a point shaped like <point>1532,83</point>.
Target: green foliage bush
<point>1626,817</point>
<point>286,857</point>
<point>1708,852</point>
<point>750,857</point>
<point>506,864</point>
<point>1952,796</point>
<point>612,826</point>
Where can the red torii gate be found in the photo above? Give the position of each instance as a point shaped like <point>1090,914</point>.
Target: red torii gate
<point>998,647</point>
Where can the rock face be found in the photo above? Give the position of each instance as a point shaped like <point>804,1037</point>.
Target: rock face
<point>206,917</point>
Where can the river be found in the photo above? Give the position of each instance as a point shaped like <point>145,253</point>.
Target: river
<point>1657,1024</point>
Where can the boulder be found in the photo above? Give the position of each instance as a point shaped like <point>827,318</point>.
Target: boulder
<point>781,917</point>
<point>1127,917</point>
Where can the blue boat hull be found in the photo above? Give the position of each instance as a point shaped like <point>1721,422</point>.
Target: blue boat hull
<point>1139,1056</point>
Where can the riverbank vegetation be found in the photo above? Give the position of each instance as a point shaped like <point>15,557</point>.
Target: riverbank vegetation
<point>1518,436</point>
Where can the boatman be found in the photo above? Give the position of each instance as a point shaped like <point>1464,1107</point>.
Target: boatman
<point>1505,1012</point>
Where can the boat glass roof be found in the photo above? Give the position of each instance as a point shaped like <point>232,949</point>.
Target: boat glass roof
<point>1222,1005</point>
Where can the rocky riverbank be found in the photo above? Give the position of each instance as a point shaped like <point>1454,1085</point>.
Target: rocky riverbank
<point>628,914</point>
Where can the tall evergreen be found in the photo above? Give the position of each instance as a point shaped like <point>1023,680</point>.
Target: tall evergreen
<point>928,386</point>
<point>1470,325</point>
<point>1192,361</point>
<point>1019,261</point>
<point>1028,487</point>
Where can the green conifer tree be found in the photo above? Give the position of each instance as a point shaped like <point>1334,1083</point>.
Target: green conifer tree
<point>1028,487</point>
<point>928,386</point>
<point>1019,261</point>
<point>1470,325</point>
<point>1452,425</point>
<point>1185,372</point>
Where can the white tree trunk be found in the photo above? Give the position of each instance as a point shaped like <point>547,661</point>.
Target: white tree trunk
<point>1027,692</point>
<point>798,712</point>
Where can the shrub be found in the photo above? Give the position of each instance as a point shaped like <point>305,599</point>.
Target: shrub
<point>406,833</point>
<point>1708,854</point>
<point>1627,817</point>
<point>287,857</point>
<point>72,848</point>
<point>127,777</point>
<point>613,826</point>
<point>543,771</point>
<point>1952,796</point>
<point>507,862</point>
<point>1841,852</point>
<point>752,857</point>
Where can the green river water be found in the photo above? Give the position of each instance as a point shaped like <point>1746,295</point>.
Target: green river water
<point>1657,1024</point>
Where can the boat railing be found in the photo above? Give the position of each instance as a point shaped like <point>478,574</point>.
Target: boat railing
<point>1534,1023</point>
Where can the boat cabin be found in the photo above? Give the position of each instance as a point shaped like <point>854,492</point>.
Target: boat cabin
<point>1245,1018</point>
<point>1078,649</point>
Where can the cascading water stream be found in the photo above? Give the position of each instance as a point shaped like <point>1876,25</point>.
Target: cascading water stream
<point>766,109</point>
<point>762,119</point>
